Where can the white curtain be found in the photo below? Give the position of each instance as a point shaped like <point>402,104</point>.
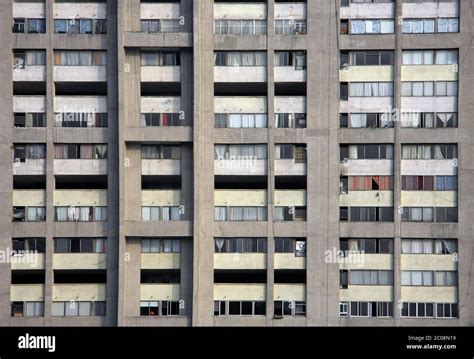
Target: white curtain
<point>357,27</point>
<point>416,246</point>
<point>220,213</point>
<point>387,27</point>
<point>417,58</point>
<point>84,214</point>
<point>441,279</point>
<point>357,89</point>
<point>353,154</point>
<point>146,214</point>
<point>438,154</point>
<point>166,213</point>
<point>61,214</point>
<point>428,57</point>
<point>427,278</point>
<point>261,120</point>
<point>358,120</point>
<point>220,152</point>
<point>427,246</point>
<point>235,121</point>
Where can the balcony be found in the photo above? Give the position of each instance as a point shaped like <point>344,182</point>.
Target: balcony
<point>367,167</point>
<point>289,292</point>
<point>80,104</point>
<point>31,10</point>
<point>289,261</point>
<point>240,11</point>
<point>290,198</point>
<point>29,104</point>
<point>240,197</point>
<point>80,73</point>
<point>73,10</point>
<point>29,198</point>
<point>161,198</point>
<point>289,168</point>
<point>290,104</point>
<point>368,11</point>
<point>27,293</point>
<point>80,261</point>
<point>30,167</point>
<point>367,293</point>
<point>161,105</point>
<point>160,261</point>
<point>78,167</point>
<point>435,294</point>
<point>29,73</point>
<point>429,199</point>
<point>429,73</point>
<point>169,292</point>
<point>238,292</point>
<point>428,168</point>
<point>429,104</point>
<point>240,167</point>
<point>366,260</point>
<point>161,167</point>
<point>79,292</point>
<point>431,9</point>
<point>160,11</point>
<point>242,104</point>
<point>289,74</point>
<point>366,198</point>
<point>28,261</point>
<point>240,261</point>
<point>80,198</point>
<point>236,74</point>
<point>160,73</point>
<point>368,104</point>
<point>428,262</point>
<point>366,73</point>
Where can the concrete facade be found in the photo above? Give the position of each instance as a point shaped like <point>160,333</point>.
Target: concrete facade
<point>192,90</point>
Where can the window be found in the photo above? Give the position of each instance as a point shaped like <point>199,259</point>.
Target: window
<point>290,120</point>
<point>81,214</point>
<point>448,25</point>
<point>80,245</point>
<point>36,26</point>
<point>290,27</point>
<point>80,58</point>
<point>19,25</point>
<point>368,245</point>
<point>240,27</point>
<point>366,152</point>
<point>370,58</point>
<point>168,58</point>
<point>78,309</point>
<point>80,26</point>
<point>246,213</point>
<point>248,120</point>
<point>371,277</point>
<point>290,214</point>
<point>22,153</point>
<point>371,89</point>
<point>237,152</point>
<point>372,26</point>
<point>164,152</point>
<point>371,309</point>
<point>240,308</point>
<point>429,119</point>
<point>366,214</point>
<point>165,213</point>
<point>367,120</point>
<point>21,245</point>
<point>370,183</point>
<point>237,59</point>
<point>161,245</point>
<point>430,57</point>
<point>427,152</point>
<point>417,310</point>
<point>27,309</point>
<point>29,214</point>
<point>240,245</point>
<point>446,310</point>
<point>343,309</point>
<point>430,25</point>
<point>74,151</point>
<point>417,278</point>
<point>290,308</point>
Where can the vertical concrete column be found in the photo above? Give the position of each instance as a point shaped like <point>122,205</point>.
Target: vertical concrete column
<point>271,156</point>
<point>187,181</point>
<point>6,154</point>
<point>114,166</point>
<point>187,13</point>
<point>186,285</point>
<point>466,167</point>
<point>397,151</point>
<point>50,180</point>
<point>130,15</point>
<point>131,280</point>
<point>323,163</point>
<point>133,180</point>
<point>203,268</point>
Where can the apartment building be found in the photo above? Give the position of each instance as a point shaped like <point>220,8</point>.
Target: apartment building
<point>215,163</point>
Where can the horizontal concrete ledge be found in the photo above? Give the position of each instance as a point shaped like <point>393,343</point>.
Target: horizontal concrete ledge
<point>367,135</point>
<point>365,42</point>
<point>429,230</point>
<point>158,229</point>
<point>158,134</point>
<point>141,39</point>
<point>79,321</point>
<point>240,42</point>
<point>30,135</point>
<point>367,229</point>
<point>60,41</point>
<point>181,321</point>
<point>80,229</point>
<point>81,135</point>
